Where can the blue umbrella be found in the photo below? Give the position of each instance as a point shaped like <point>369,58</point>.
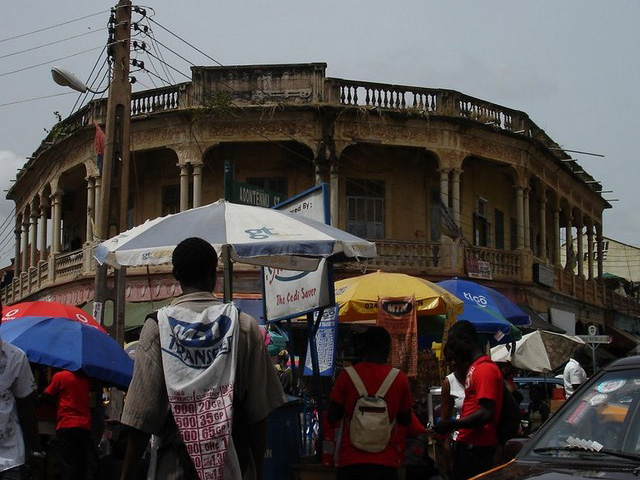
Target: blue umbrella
<point>479,300</point>
<point>64,338</point>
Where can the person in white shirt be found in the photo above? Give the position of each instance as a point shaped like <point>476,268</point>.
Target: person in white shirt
<point>574,375</point>
<point>17,415</point>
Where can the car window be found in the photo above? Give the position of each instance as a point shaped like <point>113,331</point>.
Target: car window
<point>601,412</point>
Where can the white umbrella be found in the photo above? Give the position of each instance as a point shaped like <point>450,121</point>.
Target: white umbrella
<point>539,351</point>
<point>255,235</point>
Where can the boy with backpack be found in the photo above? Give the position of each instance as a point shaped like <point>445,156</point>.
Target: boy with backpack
<point>370,398</point>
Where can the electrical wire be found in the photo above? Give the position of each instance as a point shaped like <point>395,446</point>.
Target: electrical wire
<point>51,43</point>
<point>49,62</point>
<point>26,100</point>
<point>53,26</point>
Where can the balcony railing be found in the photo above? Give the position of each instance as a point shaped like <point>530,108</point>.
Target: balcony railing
<point>334,91</point>
<point>504,264</point>
<point>398,254</point>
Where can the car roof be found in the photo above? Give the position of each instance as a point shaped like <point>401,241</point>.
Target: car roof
<point>624,363</point>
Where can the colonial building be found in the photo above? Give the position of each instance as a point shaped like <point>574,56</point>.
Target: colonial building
<point>444,183</point>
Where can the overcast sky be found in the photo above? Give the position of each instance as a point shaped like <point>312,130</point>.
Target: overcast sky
<point>572,66</point>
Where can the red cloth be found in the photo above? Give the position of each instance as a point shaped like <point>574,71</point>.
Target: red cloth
<point>72,392</point>
<point>398,400</point>
<point>484,380</point>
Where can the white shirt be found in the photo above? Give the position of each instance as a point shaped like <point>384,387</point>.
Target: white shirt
<point>456,390</point>
<point>16,381</point>
<point>573,374</point>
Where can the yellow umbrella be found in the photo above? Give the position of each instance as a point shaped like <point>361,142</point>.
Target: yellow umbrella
<point>357,297</point>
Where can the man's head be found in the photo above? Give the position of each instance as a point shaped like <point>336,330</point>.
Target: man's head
<point>376,345</point>
<point>582,356</point>
<point>462,343</point>
<point>194,265</point>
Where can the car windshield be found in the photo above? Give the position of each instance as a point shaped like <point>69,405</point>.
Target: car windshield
<point>599,419</point>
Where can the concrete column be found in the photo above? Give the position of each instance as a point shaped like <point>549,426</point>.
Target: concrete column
<point>580,249</point>
<point>455,194</point>
<point>600,250</point>
<point>590,250</point>
<point>444,186</point>
<point>520,216</point>
<point>197,184</point>
<point>334,193</point>
<point>33,260</point>
<point>543,227</point>
<point>43,229</point>
<point>24,265</point>
<point>526,219</point>
<point>56,222</point>
<point>318,168</point>
<point>568,239</point>
<point>91,207</point>
<point>556,237</point>
<point>96,190</point>
<point>184,187</point>
<point>18,235</point>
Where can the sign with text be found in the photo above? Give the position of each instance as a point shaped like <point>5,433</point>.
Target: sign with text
<point>326,337</point>
<point>247,194</point>
<point>478,269</point>
<point>312,203</point>
<point>289,293</point>
<point>397,315</point>
<point>595,338</point>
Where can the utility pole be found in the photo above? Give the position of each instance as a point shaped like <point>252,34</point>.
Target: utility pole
<point>114,195</point>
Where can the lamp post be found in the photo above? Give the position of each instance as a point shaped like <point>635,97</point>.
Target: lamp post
<point>111,210</point>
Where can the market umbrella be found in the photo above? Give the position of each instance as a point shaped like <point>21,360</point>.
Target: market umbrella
<point>539,351</point>
<point>479,299</point>
<point>497,330</point>
<point>64,336</point>
<point>255,235</point>
<point>358,296</point>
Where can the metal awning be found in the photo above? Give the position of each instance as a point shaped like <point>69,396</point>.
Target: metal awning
<point>623,339</point>
<point>538,323</point>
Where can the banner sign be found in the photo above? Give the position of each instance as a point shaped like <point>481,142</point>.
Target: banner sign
<point>478,269</point>
<point>397,315</point>
<point>326,338</point>
<point>289,293</point>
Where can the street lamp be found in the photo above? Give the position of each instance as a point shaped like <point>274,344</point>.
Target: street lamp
<point>65,78</point>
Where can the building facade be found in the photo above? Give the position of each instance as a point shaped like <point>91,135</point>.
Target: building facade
<point>444,183</point>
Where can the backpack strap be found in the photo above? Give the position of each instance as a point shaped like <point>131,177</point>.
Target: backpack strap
<point>362,390</point>
<point>386,384</point>
<point>357,381</point>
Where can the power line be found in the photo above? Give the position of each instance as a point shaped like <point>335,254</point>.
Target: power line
<point>51,43</point>
<point>49,62</point>
<point>26,100</point>
<point>53,26</point>
<point>183,40</point>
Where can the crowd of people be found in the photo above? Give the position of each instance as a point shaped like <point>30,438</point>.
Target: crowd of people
<point>204,385</point>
